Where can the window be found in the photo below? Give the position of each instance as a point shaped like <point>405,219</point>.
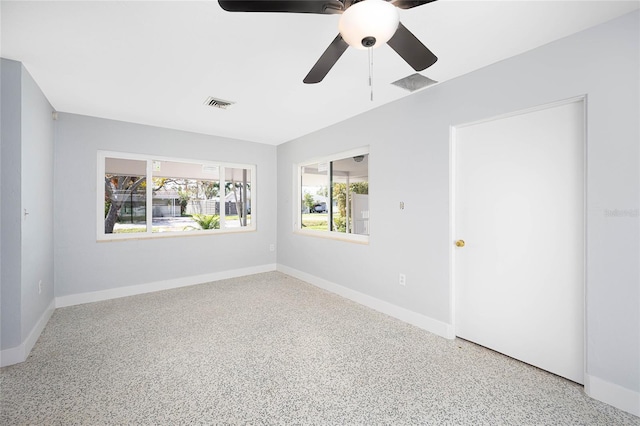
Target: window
<point>334,196</point>
<point>140,196</point>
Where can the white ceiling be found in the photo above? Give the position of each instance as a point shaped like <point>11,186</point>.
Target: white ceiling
<point>155,63</point>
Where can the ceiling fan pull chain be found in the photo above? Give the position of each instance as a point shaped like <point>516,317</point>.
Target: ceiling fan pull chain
<point>371,71</point>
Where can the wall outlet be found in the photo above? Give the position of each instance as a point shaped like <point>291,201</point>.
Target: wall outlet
<point>402,279</point>
<point>272,247</point>
<point>40,287</point>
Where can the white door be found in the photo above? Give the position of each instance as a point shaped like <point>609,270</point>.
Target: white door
<point>518,205</point>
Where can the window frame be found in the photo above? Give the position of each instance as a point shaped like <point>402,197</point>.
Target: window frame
<point>298,206</point>
<point>102,155</point>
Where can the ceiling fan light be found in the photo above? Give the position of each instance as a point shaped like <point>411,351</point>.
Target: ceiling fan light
<point>368,23</point>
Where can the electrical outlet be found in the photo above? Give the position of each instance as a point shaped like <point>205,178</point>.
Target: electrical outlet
<point>40,287</point>
<point>402,279</point>
<point>272,247</point>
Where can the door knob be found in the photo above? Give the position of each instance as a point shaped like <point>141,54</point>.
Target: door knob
<point>460,243</point>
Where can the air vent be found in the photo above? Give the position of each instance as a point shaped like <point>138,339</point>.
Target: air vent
<point>218,103</point>
<point>414,82</point>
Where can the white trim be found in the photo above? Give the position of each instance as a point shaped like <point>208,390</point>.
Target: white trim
<point>363,150</point>
<point>12,356</point>
<point>421,321</point>
<point>21,352</point>
<point>148,197</point>
<point>297,194</point>
<point>612,394</point>
<point>100,193</point>
<point>223,196</point>
<point>37,329</point>
<point>114,293</point>
<point>541,107</point>
<point>585,239</point>
<point>452,226</point>
<point>151,157</point>
<point>332,235</point>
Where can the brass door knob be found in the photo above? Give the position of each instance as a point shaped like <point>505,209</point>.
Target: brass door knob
<point>460,243</point>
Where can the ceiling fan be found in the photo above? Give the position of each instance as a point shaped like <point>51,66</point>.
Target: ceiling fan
<point>364,24</point>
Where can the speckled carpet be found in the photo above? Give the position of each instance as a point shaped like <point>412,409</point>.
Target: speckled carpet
<point>270,349</point>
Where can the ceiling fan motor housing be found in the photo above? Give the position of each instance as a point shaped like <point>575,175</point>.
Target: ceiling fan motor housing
<point>369,23</point>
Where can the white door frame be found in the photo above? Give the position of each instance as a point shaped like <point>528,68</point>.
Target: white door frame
<point>452,206</point>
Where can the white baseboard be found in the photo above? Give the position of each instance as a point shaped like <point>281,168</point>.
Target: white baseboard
<point>12,356</point>
<point>612,394</point>
<point>114,293</point>
<point>426,323</point>
<point>21,352</point>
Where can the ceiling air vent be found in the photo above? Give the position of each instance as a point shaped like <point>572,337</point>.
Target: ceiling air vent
<point>218,103</point>
<point>414,82</point>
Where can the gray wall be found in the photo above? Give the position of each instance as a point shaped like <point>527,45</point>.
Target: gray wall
<point>27,183</point>
<point>37,199</point>
<point>409,143</point>
<point>10,203</point>
<point>84,265</point>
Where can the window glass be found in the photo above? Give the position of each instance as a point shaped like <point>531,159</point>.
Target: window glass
<point>334,195</point>
<point>315,194</point>
<point>350,194</point>
<point>125,202</point>
<point>185,196</point>
<point>237,200</point>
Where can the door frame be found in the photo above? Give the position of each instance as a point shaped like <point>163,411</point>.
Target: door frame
<point>452,206</point>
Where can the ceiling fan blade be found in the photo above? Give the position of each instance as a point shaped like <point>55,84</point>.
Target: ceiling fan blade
<point>408,4</point>
<point>411,49</point>
<point>292,6</point>
<point>327,60</point>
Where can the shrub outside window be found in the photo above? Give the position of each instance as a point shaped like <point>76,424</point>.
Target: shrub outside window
<point>334,196</point>
<point>141,196</point>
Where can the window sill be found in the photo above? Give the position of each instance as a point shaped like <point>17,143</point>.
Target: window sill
<point>339,236</point>
<point>159,235</point>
